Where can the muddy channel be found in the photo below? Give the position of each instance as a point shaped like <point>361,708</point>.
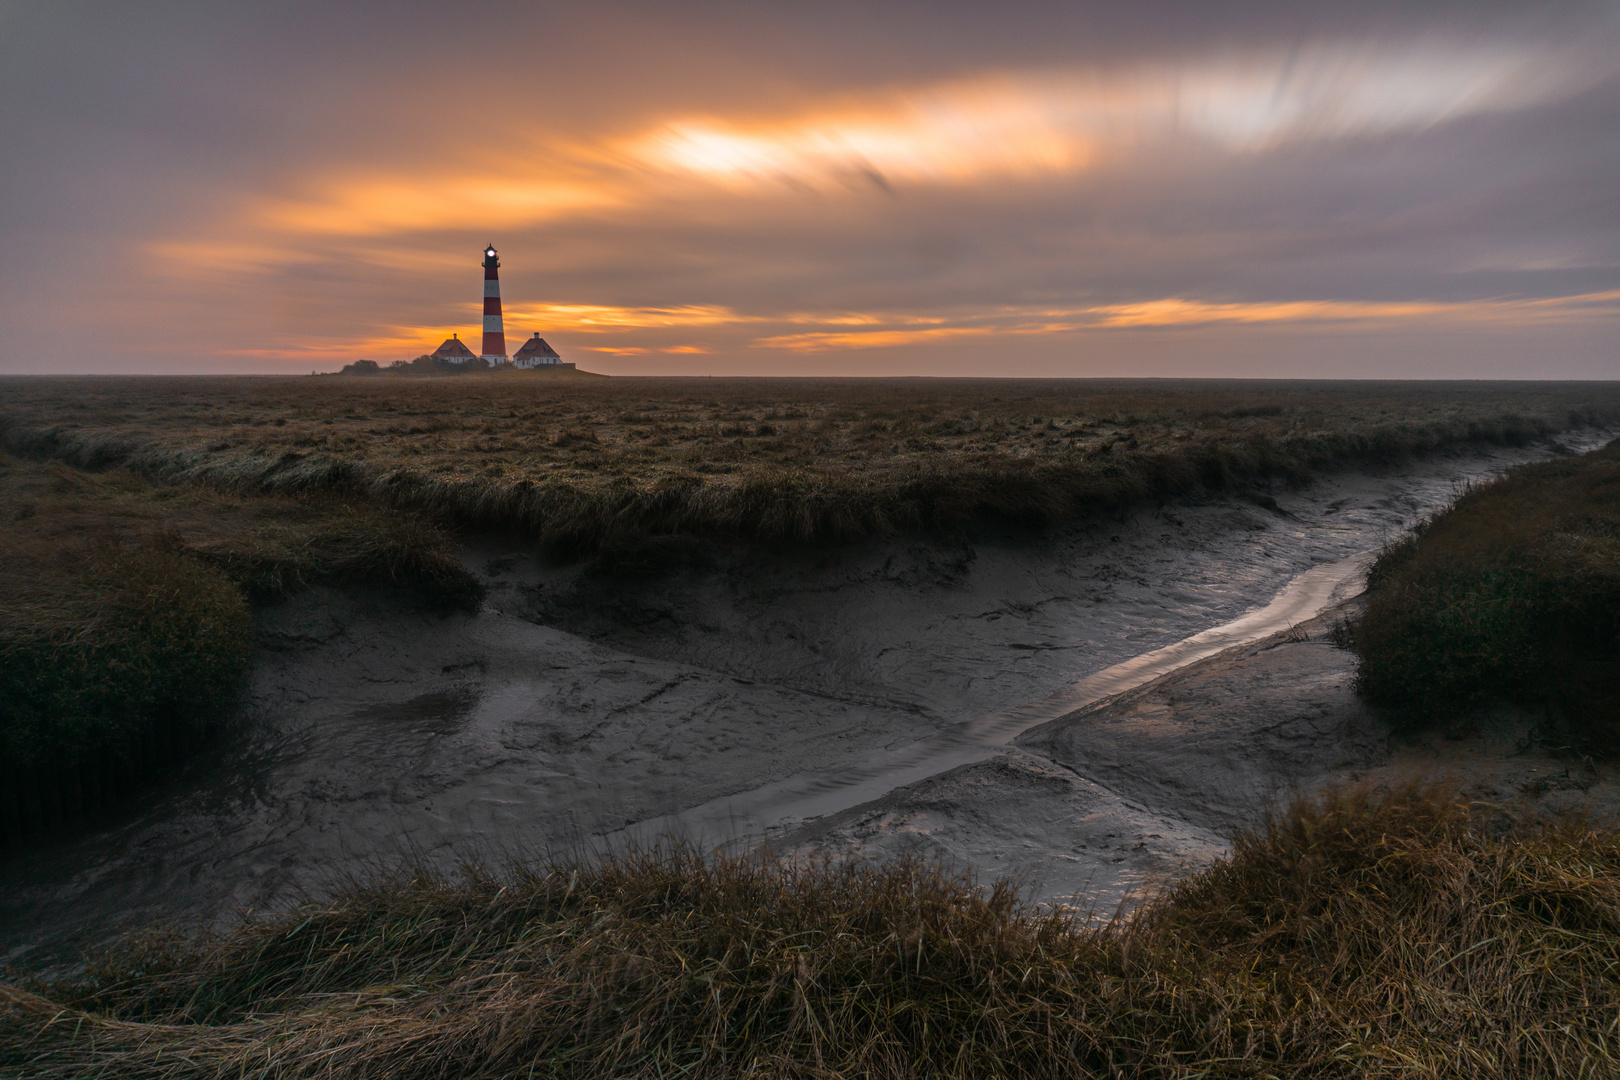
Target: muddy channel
<point>1009,703</point>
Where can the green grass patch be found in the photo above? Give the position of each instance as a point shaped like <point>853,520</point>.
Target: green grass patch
<point>1511,594</point>
<point>1359,935</point>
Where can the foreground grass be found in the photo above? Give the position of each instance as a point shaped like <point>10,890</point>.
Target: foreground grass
<point>124,618</point>
<point>575,463</point>
<point>1512,593</point>
<point>1359,935</point>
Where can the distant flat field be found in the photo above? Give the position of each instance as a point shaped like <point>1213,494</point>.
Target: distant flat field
<point>576,461</point>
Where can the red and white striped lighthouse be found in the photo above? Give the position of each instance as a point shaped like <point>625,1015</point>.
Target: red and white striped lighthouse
<point>494,333</point>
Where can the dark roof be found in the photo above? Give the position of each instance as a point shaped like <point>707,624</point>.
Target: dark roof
<point>535,346</point>
<point>453,349</point>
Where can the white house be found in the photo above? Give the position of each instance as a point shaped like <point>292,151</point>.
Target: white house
<point>536,353</point>
<point>454,352</point>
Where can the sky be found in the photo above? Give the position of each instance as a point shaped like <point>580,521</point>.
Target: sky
<point>1154,188</point>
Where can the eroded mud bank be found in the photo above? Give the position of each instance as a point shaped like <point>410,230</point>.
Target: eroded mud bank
<point>585,705</point>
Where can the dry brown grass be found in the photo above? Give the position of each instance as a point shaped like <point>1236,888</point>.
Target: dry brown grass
<point>575,462</point>
<point>270,545</point>
<point>1362,935</point>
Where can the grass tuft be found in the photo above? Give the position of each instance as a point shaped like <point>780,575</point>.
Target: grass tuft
<point>1362,934</point>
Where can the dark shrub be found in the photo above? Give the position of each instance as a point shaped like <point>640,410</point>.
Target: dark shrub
<point>1511,594</point>
<point>109,675</point>
<point>123,616</point>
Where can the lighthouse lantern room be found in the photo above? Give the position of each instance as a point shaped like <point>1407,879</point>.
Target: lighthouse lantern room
<point>494,333</point>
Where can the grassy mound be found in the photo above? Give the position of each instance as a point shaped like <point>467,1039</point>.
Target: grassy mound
<point>1359,935</point>
<point>124,625</point>
<point>112,668</point>
<point>1513,593</point>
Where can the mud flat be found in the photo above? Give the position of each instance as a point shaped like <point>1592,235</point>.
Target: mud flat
<point>732,694</point>
<point>1099,805</point>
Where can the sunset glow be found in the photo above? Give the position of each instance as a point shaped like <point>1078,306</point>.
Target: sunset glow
<point>1421,177</point>
<point>1010,125</point>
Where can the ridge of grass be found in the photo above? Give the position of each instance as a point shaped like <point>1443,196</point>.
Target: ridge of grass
<point>1359,934</point>
<point>575,465</point>
<point>272,546</point>
<point>1512,593</point>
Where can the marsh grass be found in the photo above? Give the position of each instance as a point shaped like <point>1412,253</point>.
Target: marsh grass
<point>575,464</point>
<point>272,546</point>
<point>115,662</point>
<point>1358,935</point>
<point>124,618</point>
<point>1512,593</point>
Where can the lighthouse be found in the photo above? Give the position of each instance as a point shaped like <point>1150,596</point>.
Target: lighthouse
<point>494,333</point>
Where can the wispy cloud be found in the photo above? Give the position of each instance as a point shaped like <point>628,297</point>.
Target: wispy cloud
<point>1055,122</point>
<point>1068,170</point>
<point>1177,312</point>
<point>992,127</point>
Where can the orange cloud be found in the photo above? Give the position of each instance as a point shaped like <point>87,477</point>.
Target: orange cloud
<point>1032,124</point>
<point>870,339</point>
<point>1179,312</point>
<point>961,135</point>
<point>884,330</point>
<point>603,318</point>
<point>369,205</point>
<point>1175,312</point>
<point>994,126</point>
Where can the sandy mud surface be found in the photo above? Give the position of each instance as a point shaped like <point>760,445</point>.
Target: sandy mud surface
<point>1100,805</point>
<point>1131,789</point>
<point>733,694</point>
